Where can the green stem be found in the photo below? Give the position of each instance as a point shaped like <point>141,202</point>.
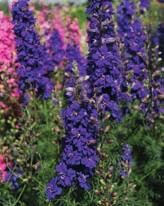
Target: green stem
<point>20,195</point>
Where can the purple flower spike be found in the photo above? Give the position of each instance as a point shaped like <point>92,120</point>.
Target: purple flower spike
<point>134,54</point>
<point>79,156</point>
<point>104,61</point>
<point>34,63</point>
<point>56,48</point>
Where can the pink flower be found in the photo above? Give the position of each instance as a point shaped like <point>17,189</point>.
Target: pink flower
<point>73,32</point>
<point>7,45</point>
<point>2,166</point>
<point>8,77</point>
<point>58,23</point>
<point>3,169</point>
<point>11,81</point>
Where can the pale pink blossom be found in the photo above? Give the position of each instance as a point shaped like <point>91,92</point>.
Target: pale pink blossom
<point>73,31</point>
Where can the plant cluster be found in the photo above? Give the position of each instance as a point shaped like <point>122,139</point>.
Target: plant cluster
<point>83,96</point>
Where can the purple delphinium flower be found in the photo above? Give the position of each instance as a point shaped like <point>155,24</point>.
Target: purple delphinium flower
<point>126,161</point>
<point>125,14</point>
<point>53,190</point>
<point>75,66</point>
<point>133,39</point>
<point>104,61</point>
<point>34,62</point>
<point>79,157</point>
<point>56,48</point>
<point>83,181</point>
<point>144,5</point>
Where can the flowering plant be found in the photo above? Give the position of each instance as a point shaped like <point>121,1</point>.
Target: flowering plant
<point>9,91</point>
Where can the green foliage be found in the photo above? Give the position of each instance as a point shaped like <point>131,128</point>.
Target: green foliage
<point>4,7</point>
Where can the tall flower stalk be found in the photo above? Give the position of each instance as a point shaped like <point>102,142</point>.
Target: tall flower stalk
<point>134,40</point>
<point>35,65</point>
<point>79,156</point>
<point>104,60</point>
